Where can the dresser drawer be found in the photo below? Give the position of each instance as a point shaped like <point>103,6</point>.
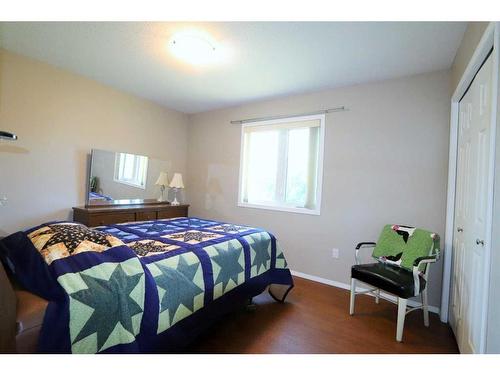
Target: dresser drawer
<point>106,219</point>
<point>173,211</point>
<point>145,215</point>
<point>98,215</point>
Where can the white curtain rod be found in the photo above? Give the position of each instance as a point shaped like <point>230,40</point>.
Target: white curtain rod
<point>336,109</point>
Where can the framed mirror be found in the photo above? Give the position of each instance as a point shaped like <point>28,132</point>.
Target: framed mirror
<point>125,178</point>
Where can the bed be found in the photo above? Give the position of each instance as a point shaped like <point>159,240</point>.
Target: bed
<point>141,287</point>
<point>93,196</point>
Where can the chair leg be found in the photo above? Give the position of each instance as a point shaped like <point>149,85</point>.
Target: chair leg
<point>353,296</point>
<point>401,318</point>
<point>377,296</point>
<point>425,307</point>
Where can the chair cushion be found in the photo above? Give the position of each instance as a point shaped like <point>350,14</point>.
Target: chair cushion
<point>402,244</point>
<point>392,279</point>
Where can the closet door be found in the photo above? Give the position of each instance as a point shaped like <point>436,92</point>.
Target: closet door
<point>468,293</point>
<point>462,209</point>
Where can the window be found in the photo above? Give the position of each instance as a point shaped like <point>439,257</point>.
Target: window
<point>282,163</point>
<point>131,169</point>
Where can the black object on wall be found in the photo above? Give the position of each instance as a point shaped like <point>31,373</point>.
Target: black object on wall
<point>8,136</point>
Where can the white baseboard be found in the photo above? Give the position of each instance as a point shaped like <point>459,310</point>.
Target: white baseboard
<point>338,284</point>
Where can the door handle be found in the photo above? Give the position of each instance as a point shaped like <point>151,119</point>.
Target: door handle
<point>479,242</point>
<point>460,230</point>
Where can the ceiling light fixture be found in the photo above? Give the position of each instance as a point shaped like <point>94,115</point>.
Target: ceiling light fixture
<point>196,48</point>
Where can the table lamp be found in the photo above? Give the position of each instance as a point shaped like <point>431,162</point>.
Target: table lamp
<point>162,181</point>
<point>176,184</point>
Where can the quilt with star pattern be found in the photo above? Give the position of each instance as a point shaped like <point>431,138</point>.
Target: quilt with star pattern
<point>149,286</point>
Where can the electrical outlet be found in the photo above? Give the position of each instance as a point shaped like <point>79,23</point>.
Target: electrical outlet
<point>3,201</point>
<point>335,253</point>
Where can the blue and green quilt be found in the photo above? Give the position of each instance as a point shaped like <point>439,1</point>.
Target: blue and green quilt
<point>148,286</point>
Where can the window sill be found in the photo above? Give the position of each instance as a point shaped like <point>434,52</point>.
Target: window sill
<point>305,211</point>
<point>130,184</point>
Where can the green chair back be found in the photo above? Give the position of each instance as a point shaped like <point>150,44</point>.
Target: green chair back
<point>402,245</point>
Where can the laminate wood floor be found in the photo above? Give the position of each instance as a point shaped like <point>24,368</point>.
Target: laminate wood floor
<point>315,319</point>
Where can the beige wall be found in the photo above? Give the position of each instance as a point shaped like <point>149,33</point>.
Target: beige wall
<point>59,117</point>
<point>385,162</point>
<point>471,38</point>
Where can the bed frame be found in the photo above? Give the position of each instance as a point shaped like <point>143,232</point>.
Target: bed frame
<point>21,316</point>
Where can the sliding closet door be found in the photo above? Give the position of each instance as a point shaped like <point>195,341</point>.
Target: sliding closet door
<point>468,297</point>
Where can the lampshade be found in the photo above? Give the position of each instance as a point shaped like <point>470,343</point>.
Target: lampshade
<point>177,181</point>
<point>162,179</point>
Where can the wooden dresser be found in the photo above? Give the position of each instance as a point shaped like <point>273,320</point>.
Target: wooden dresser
<point>94,216</point>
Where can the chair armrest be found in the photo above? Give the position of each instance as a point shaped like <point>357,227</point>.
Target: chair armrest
<point>365,244</point>
<point>423,260</point>
<point>362,245</point>
<point>416,269</point>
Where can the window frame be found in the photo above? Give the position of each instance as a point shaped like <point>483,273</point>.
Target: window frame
<point>116,176</point>
<point>319,177</point>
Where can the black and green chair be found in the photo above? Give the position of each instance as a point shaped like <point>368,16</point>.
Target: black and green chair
<point>403,255</point>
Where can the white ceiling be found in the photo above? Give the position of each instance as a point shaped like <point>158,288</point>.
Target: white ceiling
<point>269,59</point>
